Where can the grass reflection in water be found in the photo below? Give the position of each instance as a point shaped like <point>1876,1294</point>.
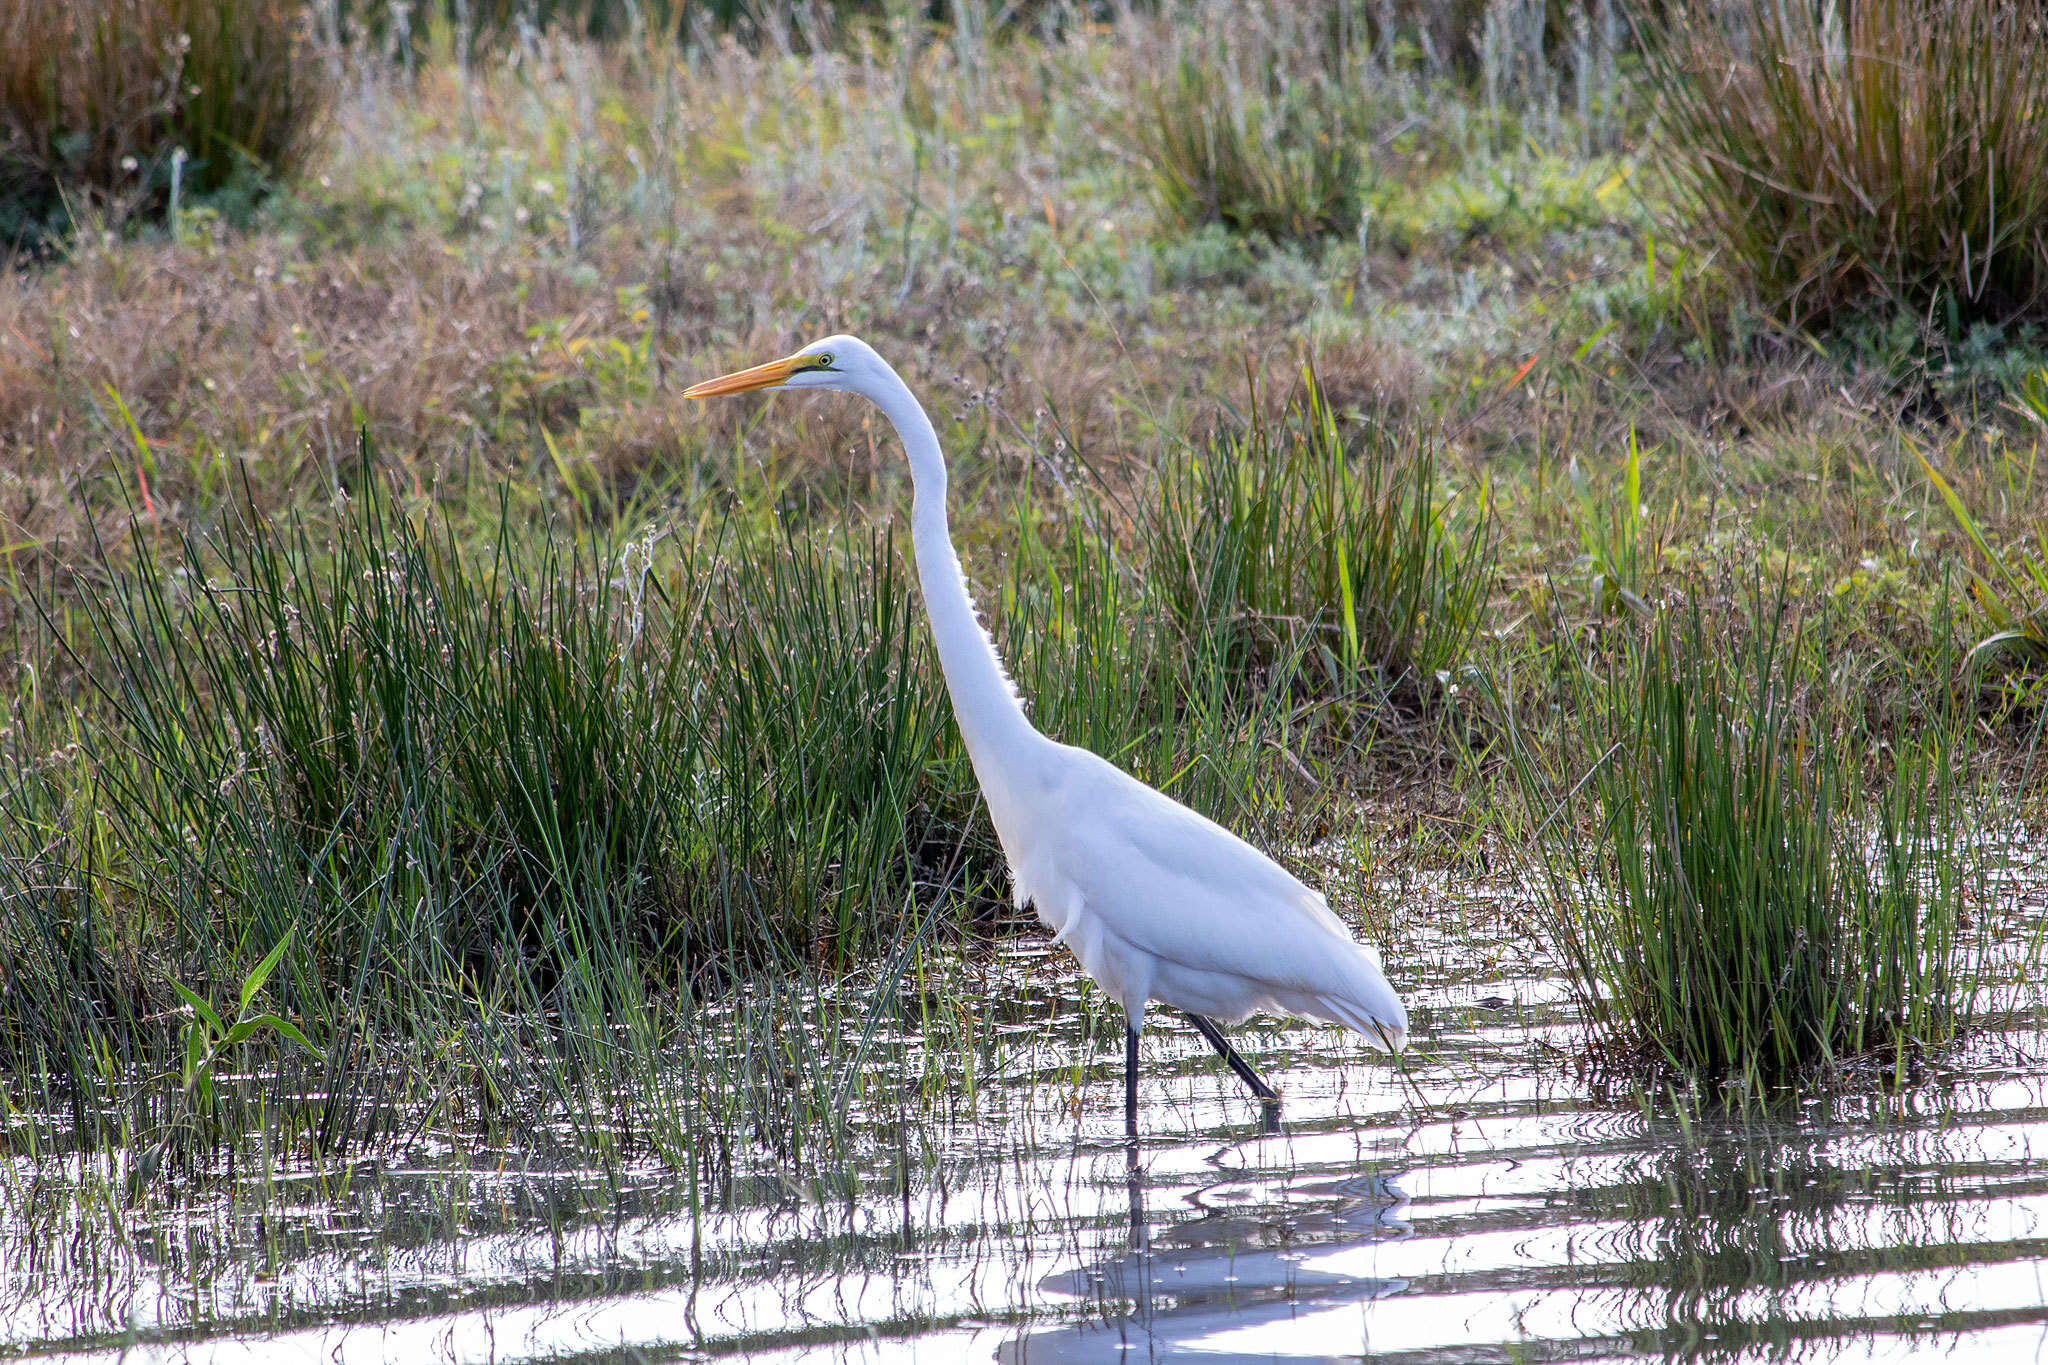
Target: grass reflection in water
<point>1500,1210</point>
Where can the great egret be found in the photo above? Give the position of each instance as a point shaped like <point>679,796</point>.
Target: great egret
<point>1156,901</point>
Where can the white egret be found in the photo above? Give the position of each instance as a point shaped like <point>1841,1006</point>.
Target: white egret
<point>1158,902</point>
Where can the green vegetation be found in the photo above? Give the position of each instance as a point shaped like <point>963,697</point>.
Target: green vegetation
<point>2010,586</point>
<point>1763,895</point>
<point>1296,537</point>
<point>370,590</point>
<point>1286,161</point>
<point>538,773</point>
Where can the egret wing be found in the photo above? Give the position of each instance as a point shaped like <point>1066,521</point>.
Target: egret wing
<point>1176,885</point>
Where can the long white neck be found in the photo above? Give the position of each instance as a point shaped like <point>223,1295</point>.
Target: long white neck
<point>992,721</point>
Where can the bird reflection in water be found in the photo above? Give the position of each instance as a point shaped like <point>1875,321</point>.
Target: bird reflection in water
<point>1255,1253</point>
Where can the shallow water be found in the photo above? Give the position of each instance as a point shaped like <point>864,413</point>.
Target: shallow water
<point>1485,1204</point>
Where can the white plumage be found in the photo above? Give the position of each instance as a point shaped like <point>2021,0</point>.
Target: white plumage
<point>1157,902</point>
<point>1160,903</point>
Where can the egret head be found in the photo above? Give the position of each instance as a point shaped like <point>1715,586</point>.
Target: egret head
<point>837,362</point>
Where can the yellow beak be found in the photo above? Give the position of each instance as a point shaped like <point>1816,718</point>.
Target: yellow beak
<point>741,381</point>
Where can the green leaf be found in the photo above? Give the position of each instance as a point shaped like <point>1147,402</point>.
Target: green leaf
<point>1594,340</point>
<point>255,980</point>
<point>2019,641</point>
<point>1632,484</point>
<point>145,456</point>
<point>204,1010</point>
<point>1958,510</point>
<point>1350,607</point>
<point>289,1030</point>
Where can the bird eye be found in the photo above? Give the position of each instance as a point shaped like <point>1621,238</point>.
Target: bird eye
<point>825,361</point>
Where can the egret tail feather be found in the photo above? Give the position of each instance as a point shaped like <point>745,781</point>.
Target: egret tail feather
<point>1389,1035</point>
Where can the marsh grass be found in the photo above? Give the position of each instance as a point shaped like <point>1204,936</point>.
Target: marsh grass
<point>103,107</point>
<point>1264,153</point>
<point>448,776</point>
<point>1291,123</point>
<point>1883,156</point>
<point>588,842</point>
<point>517,832</point>
<point>2010,587</point>
<point>1103,663</point>
<point>1330,534</point>
<point>1620,548</point>
<point>1740,885</point>
<point>839,791</point>
<point>475,786</point>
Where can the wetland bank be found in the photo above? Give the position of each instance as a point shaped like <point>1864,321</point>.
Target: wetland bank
<point>489,869</point>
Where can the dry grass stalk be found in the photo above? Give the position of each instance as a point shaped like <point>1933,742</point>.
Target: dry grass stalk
<point>98,100</point>
<point>1890,152</point>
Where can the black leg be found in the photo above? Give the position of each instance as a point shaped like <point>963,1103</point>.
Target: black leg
<point>1141,1231</point>
<point>1266,1093</point>
<point>1131,1081</point>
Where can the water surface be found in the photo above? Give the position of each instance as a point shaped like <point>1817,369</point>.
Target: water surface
<point>1485,1203</point>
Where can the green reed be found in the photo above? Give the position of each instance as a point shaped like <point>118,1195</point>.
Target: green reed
<point>1272,154</point>
<point>1325,534</point>
<point>538,837</point>
<point>1742,884</point>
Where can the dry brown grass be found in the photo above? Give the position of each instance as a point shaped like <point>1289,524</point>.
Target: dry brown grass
<point>97,98</point>
<point>1889,155</point>
<point>240,357</point>
<point>466,355</point>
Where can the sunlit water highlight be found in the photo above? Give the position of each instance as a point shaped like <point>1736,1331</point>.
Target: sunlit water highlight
<point>1489,1206</point>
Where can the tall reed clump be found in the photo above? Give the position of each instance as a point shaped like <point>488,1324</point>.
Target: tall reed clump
<point>518,808</point>
<point>1266,153</point>
<point>451,778</point>
<point>1330,533</point>
<point>1763,893</point>
<point>530,838</point>
<point>104,105</point>
<point>472,735</point>
<point>1890,154</point>
<point>1102,666</point>
<point>838,800</point>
